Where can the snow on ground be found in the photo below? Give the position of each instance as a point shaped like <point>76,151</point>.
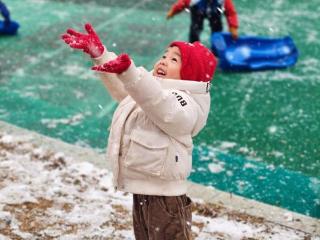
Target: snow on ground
<point>49,195</point>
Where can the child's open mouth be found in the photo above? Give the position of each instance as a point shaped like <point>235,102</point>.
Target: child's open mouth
<point>161,73</point>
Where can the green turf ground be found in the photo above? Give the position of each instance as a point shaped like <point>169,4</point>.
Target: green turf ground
<point>262,137</point>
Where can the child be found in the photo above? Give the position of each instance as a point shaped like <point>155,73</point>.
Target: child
<point>150,141</point>
<point>210,9</point>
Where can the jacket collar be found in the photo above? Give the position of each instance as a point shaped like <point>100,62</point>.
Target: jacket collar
<point>185,85</point>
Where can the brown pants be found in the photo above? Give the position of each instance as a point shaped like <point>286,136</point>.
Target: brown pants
<point>162,218</point>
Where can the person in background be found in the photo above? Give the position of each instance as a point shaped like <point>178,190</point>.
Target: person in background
<point>150,140</point>
<point>210,9</point>
<point>5,13</point>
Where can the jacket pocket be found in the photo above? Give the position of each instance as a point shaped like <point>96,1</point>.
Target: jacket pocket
<point>179,162</point>
<point>147,152</point>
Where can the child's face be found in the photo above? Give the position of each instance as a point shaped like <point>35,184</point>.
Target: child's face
<point>169,65</point>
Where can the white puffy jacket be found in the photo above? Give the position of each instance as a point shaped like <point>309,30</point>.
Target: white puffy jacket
<point>150,140</point>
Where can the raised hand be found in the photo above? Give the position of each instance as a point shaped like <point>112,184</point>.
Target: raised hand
<point>118,65</point>
<point>88,42</point>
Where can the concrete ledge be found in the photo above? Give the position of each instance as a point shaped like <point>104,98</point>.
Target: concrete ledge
<point>258,209</point>
<point>80,153</point>
<point>210,195</point>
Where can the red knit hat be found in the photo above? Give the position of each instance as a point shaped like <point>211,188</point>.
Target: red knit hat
<point>198,62</point>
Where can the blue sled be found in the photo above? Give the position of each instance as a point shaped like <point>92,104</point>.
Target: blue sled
<point>10,29</point>
<point>252,53</point>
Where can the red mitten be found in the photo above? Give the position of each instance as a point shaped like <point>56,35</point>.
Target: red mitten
<point>118,65</point>
<point>90,43</point>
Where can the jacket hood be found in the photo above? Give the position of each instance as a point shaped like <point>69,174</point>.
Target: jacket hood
<point>191,86</point>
